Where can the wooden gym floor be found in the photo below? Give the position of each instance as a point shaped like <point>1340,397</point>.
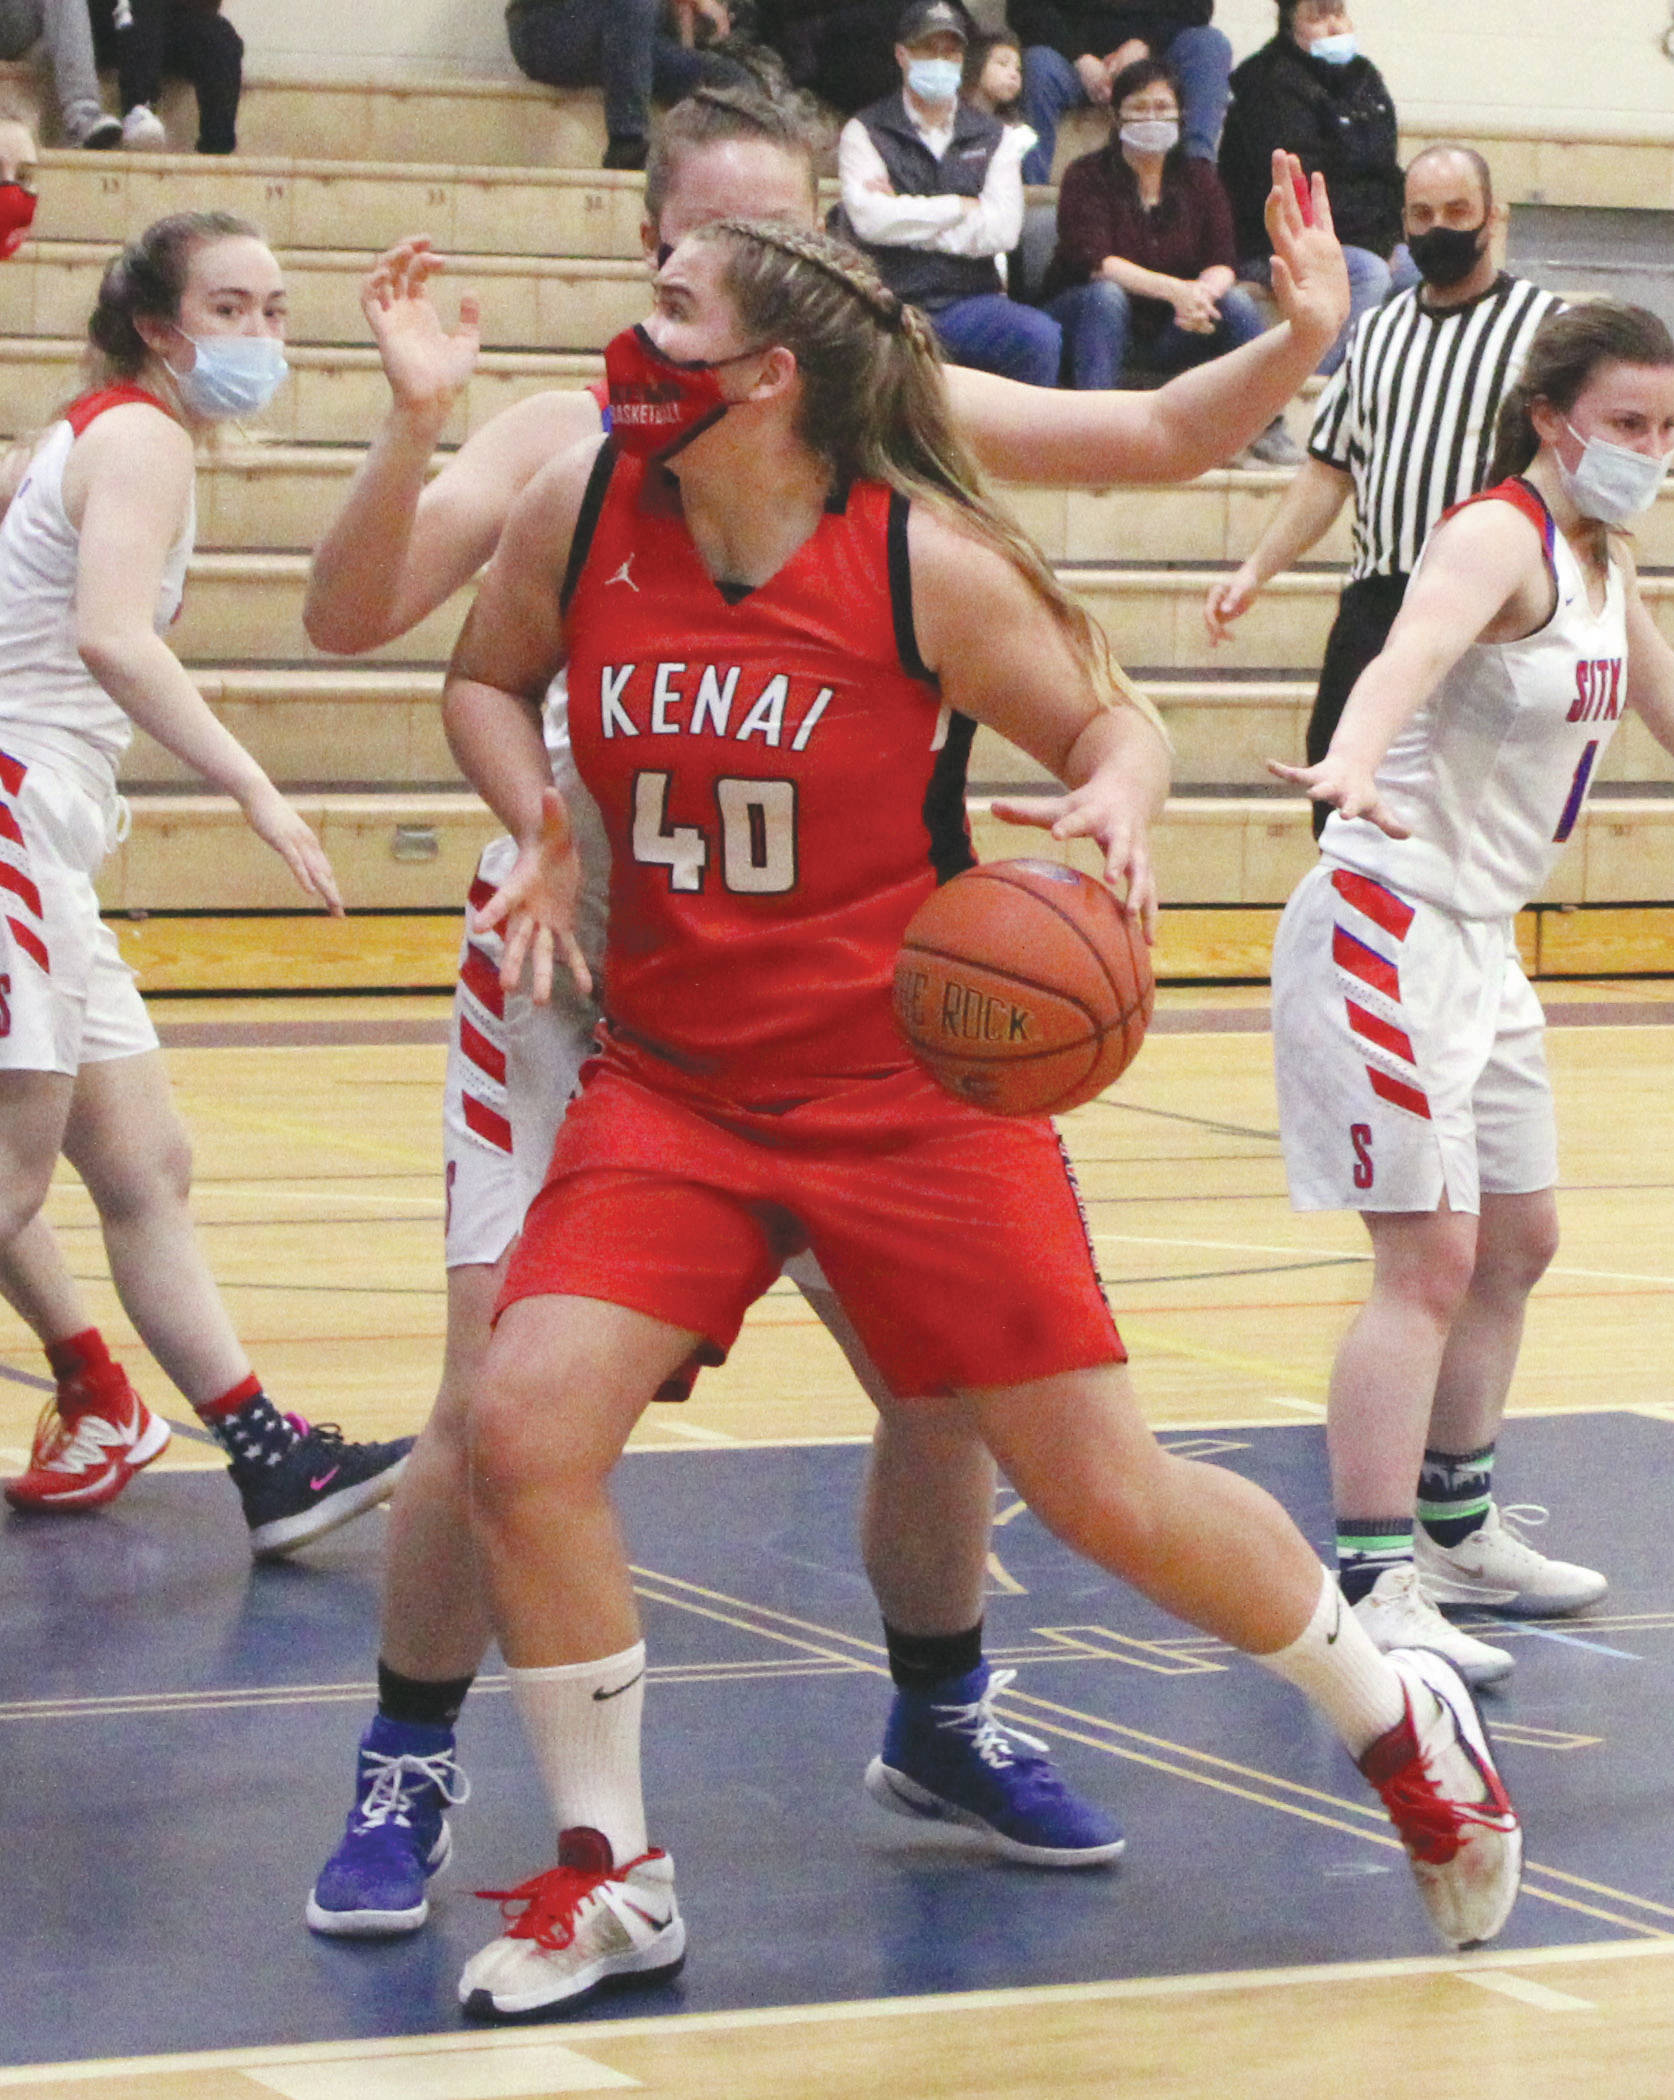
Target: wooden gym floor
<point>179,1748</point>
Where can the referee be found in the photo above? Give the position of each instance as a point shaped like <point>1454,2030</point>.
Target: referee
<point>1406,424</point>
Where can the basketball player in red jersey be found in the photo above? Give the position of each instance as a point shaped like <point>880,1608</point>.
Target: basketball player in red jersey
<point>765,728</point>
<point>397,550</point>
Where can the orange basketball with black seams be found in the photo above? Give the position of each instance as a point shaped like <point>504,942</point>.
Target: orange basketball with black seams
<point>1023,988</point>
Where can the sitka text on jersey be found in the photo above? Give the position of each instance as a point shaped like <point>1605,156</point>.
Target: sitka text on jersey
<point>1491,774</point>
<point>779,780</point>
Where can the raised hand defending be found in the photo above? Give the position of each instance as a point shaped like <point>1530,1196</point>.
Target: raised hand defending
<point>427,367</point>
<point>1310,278</point>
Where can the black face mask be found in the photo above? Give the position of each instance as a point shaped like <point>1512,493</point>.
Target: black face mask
<point>1446,255</point>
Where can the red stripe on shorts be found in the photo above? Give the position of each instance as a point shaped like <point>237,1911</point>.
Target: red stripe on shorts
<point>30,943</point>
<point>1387,1037</point>
<point>18,883</point>
<point>1403,1096</point>
<point>483,1120</point>
<point>10,828</point>
<point>11,774</point>
<point>1365,963</point>
<point>1379,905</point>
<point>481,892</point>
<point>482,1053</point>
<point>482,980</point>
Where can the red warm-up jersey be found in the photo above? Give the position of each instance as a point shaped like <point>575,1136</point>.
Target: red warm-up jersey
<point>781,785</point>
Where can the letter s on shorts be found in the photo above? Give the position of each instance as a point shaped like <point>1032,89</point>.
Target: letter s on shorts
<point>1360,1137</point>
<point>5,1006</point>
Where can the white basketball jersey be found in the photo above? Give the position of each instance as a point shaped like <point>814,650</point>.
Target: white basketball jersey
<point>587,826</point>
<point>53,710</point>
<point>1491,773</point>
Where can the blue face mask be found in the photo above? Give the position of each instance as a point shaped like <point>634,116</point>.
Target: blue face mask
<point>934,79</point>
<point>235,375</point>
<point>1336,50</point>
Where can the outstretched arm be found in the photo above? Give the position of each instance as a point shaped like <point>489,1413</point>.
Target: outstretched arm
<point>1650,668</point>
<point>1307,510</point>
<point>399,547</point>
<point>126,490</point>
<point>512,644</point>
<point>1197,421</point>
<point>1482,569</point>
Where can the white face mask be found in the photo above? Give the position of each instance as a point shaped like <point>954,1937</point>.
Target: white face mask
<point>1335,50</point>
<point>233,375</point>
<point>1612,483</point>
<point>1150,134</point>
<point>934,80</point>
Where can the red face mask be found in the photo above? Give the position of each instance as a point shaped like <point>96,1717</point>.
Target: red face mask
<point>659,404</point>
<point>17,213</point>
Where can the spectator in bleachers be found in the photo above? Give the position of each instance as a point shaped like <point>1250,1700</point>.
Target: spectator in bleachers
<point>1143,274</point>
<point>19,158</point>
<point>1311,91</point>
<point>634,49</point>
<point>149,41</point>
<point>1074,50</point>
<point>993,77</point>
<point>63,26</point>
<point>933,191</point>
<point>839,49</point>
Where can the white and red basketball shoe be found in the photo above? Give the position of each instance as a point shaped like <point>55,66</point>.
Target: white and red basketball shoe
<point>94,1435</point>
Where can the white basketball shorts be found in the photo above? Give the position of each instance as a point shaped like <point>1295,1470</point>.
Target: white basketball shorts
<point>1408,1050</point>
<point>67,998</point>
<point>512,1068</point>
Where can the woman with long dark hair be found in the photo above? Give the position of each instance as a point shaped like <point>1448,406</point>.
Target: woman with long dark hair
<point>1407,1040</point>
<point>761,584</point>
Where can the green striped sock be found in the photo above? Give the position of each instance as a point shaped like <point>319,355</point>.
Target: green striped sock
<point>1455,1493</point>
<point>1366,1546</point>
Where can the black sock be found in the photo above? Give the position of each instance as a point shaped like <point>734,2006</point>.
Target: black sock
<point>1367,1547</point>
<point>430,1702</point>
<point>919,1662</point>
<point>1455,1490</point>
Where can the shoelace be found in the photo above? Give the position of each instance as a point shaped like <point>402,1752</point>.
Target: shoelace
<point>1432,1826</point>
<point>399,1781</point>
<point>75,1447</point>
<point>1518,1517</point>
<point>552,1904</point>
<point>988,1738</point>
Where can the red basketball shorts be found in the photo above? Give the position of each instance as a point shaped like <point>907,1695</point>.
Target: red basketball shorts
<point>955,1240</point>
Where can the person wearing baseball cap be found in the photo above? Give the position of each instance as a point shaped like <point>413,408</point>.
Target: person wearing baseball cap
<point>933,192</point>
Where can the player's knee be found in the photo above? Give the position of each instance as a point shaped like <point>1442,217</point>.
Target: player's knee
<point>525,1428</point>
<point>24,1183</point>
<point>138,1178</point>
<point>1511,1263</point>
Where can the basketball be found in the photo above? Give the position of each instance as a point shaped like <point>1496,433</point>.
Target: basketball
<point>1023,988</point>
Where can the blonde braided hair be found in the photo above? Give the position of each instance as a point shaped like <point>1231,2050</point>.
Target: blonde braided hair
<point>874,401</point>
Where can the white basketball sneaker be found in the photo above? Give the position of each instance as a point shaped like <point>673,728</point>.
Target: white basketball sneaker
<point>1397,1614</point>
<point>583,1924</point>
<point>1498,1570</point>
<point>1436,1776</point>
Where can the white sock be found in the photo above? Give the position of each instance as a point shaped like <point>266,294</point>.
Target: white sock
<point>1334,1662</point>
<point>582,1721</point>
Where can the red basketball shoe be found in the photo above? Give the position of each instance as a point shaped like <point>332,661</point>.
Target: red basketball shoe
<point>93,1437</point>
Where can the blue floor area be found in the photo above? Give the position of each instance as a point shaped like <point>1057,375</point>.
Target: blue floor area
<point>178,1732</point>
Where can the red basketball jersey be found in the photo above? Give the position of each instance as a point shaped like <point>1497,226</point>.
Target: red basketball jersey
<point>780,782</point>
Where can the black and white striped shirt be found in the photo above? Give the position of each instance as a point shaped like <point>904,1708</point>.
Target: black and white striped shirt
<point>1410,412</point>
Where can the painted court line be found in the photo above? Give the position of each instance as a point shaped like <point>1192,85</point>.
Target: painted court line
<point>953,2005</point>
<point>1526,1991</point>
